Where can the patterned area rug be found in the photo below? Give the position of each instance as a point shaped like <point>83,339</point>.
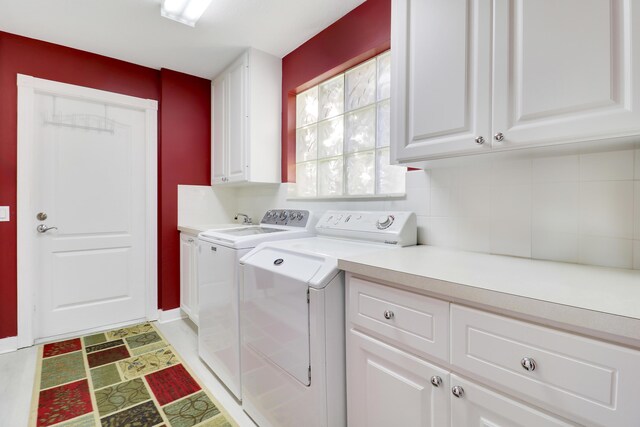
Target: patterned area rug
<point>129,377</point>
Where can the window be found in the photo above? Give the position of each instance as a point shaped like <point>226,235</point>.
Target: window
<point>342,135</point>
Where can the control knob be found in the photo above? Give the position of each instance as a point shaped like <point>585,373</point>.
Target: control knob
<point>284,215</point>
<point>385,222</point>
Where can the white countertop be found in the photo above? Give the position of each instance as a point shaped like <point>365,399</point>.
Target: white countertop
<point>595,300</point>
<point>195,229</point>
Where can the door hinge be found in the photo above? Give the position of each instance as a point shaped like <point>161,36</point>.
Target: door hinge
<point>308,300</point>
<point>309,374</point>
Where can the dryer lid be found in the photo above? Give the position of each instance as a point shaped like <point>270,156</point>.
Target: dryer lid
<point>300,267</point>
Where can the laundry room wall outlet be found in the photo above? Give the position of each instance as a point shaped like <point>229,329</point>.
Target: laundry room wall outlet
<point>4,213</point>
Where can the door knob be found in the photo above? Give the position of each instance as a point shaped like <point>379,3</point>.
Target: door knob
<point>480,140</point>
<point>499,137</point>
<point>43,228</point>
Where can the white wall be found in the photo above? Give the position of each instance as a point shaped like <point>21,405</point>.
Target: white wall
<point>579,208</point>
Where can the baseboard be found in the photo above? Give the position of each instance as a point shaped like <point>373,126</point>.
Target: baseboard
<point>167,316</point>
<point>8,344</point>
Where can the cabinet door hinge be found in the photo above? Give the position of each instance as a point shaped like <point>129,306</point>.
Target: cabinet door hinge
<point>309,374</point>
<point>308,300</point>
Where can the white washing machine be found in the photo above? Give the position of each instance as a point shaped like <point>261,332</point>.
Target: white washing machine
<point>219,251</point>
<point>292,317</point>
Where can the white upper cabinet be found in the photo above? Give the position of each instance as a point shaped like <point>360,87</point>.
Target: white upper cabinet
<point>520,73</point>
<point>246,117</point>
<point>440,77</point>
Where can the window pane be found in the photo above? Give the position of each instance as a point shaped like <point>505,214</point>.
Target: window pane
<point>361,85</point>
<point>384,76</point>
<point>330,135</point>
<point>390,178</point>
<point>384,124</point>
<point>306,144</point>
<point>361,130</point>
<point>331,94</point>
<point>360,173</point>
<point>330,177</point>
<point>306,174</point>
<point>307,107</point>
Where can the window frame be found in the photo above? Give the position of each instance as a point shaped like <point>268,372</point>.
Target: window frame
<point>345,153</point>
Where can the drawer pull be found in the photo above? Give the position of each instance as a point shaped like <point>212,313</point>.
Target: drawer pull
<point>528,364</point>
<point>388,314</point>
<point>457,391</point>
<point>436,381</point>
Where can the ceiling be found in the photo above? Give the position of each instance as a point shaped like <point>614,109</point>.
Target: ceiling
<point>134,31</point>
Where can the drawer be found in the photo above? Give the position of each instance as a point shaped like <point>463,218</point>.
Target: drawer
<point>589,381</point>
<point>413,322</point>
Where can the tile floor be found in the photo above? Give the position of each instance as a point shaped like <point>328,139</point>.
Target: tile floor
<point>17,371</point>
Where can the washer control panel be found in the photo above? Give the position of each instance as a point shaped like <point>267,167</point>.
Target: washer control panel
<point>395,228</point>
<point>288,217</point>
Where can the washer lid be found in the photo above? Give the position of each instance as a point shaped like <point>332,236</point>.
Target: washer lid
<point>301,267</point>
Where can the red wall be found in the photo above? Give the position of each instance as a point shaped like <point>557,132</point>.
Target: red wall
<point>181,159</point>
<point>185,132</point>
<point>359,35</point>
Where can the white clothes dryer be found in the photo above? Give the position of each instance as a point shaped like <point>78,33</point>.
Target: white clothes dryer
<point>292,317</point>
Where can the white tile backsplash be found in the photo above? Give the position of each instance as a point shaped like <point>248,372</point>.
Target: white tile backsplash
<point>607,166</point>
<point>572,208</point>
<point>474,234</point>
<point>202,205</point>
<point>511,236</point>
<point>515,172</point>
<point>606,209</point>
<point>554,245</point>
<point>606,251</point>
<point>556,169</point>
<point>555,207</point>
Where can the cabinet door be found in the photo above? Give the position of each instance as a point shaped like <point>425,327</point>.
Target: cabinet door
<point>193,284</point>
<point>478,406</point>
<point>237,104</point>
<point>441,59</point>
<point>219,95</point>
<point>388,387</point>
<point>565,70</point>
<point>186,273</point>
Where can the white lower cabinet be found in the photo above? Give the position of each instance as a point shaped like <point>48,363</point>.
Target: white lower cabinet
<point>189,276</point>
<point>500,371</point>
<point>388,387</point>
<point>478,406</point>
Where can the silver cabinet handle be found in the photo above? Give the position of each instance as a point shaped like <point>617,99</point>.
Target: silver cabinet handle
<point>457,391</point>
<point>388,314</point>
<point>190,241</point>
<point>528,364</point>
<point>436,381</point>
<point>498,136</point>
<point>43,228</point>
<point>480,140</point>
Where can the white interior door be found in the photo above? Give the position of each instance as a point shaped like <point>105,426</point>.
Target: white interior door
<point>87,172</point>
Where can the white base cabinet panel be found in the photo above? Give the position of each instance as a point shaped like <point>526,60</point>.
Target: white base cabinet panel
<point>478,406</point>
<point>500,371</point>
<point>189,276</point>
<point>388,387</point>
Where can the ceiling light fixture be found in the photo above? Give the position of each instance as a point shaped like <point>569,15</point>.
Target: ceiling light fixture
<point>185,11</point>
